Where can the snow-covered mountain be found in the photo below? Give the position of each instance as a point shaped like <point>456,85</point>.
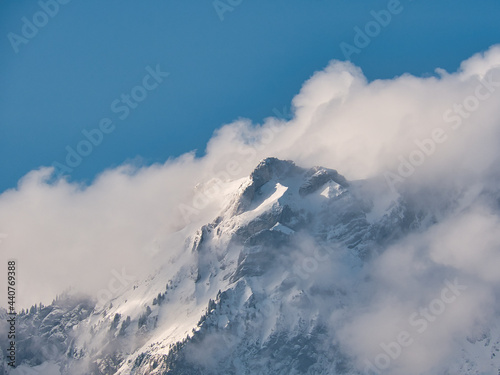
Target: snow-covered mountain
<point>256,291</point>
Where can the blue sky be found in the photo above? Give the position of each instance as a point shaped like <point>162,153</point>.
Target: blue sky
<point>251,63</point>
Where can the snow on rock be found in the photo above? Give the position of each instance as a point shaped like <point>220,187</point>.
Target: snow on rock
<point>238,298</point>
<point>282,228</point>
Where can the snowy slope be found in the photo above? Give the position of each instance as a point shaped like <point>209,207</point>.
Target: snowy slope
<point>243,296</point>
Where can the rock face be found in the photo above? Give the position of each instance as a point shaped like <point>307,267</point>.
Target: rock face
<point>241,297</point>
<point>44,333</point>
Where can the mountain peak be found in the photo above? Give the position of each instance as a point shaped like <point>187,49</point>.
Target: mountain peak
<point>272,167</point>
<point>280,171</point>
